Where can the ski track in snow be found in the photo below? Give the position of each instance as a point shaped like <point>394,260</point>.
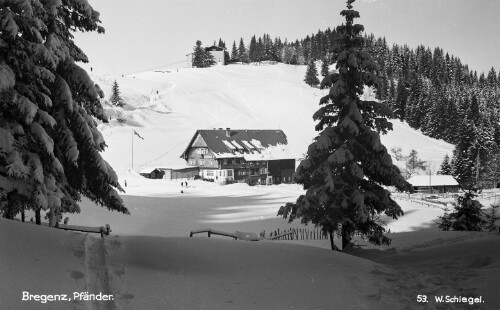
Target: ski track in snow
<point>98,276</point>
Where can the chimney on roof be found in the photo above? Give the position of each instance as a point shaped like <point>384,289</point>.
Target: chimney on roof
<point>228,132</point>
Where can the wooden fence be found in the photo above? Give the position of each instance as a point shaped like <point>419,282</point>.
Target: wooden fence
<point>297,234</point>
<point>485,195</point>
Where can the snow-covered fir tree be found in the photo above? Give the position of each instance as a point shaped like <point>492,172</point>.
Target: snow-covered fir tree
<point>464,162</point>
<point>347,166</point>
<point>234,53</point>
<point>325,66</point>
<point>287,55</point>
<point>242,52</point>
<point>198,59</point>
<point>468,214</point>
<point>49,143</point>
<point>202,58</point>
<point>252,50</point>
<point>116,99</point>
<point>445,168</point>
<point>311,78</point>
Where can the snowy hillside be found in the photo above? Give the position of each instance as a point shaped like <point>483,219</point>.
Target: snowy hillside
<point>149,262</point>
<point>166,107</point>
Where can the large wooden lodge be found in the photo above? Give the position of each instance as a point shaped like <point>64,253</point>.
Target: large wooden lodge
<point>252,156</point>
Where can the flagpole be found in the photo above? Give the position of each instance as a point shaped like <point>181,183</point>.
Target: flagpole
<point>132,149</point>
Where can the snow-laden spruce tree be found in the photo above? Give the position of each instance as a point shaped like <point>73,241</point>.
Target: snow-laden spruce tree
<point>325,66</point>
<point>445,167</point>
<point>116,99</point>
<point>468,214</point>
<point>311,77</point>
<point>49,143</point>
<point>346,166</point>
<point>202,58</point>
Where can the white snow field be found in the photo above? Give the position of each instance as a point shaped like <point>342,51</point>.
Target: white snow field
<point>149,262</point>
<point>166,107</point>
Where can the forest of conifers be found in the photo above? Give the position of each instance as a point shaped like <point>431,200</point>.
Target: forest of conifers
<point>429,89</point>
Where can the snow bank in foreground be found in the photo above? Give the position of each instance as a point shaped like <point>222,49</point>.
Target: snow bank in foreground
<point>196,273</point>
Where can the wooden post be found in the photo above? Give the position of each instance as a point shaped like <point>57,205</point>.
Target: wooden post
<point>38,218</point>
<point>331,241</point>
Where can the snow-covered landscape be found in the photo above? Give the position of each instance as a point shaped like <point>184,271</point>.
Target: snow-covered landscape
<point>149,261</point>
<point>167,106</point>
<point>205,182</point>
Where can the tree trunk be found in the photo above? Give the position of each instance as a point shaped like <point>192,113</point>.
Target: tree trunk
<point>38,217</point>
<point>52,218</point>
<point>346,237</point>
<point>8,212</point>
<point>331,241</point>
<point>23,216</point>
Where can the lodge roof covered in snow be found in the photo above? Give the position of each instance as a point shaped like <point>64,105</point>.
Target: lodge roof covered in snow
<point>255,144</point>
<point>432,180</point>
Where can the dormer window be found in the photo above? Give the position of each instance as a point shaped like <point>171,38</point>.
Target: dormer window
<point>230,147</point>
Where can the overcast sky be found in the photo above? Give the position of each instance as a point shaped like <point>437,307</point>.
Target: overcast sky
<point>145,34</point>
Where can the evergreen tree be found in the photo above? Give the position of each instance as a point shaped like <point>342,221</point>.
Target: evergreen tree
<point>234,53</point>
<point>199,56</point>
<point>445,168</point>
<point>210,60</point>
<point>325,66</point>
<point>295,59</point>
<point>252,49</point>
<point>242,52</point>
<point>202,58</point>
<point>221,44</point>
<point>276,50</point>
<point>287,54</point>
<point>467,215</point>
<point>299,51</point>
<point>115,95</point>
<point>464,161</point>
<point>444,222</point>
<point>347,165</point>
<point>491,170</point>
<point>50,146</point>
<point>401,98</point>
<point>311,78</point>
<point>259,50</point>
